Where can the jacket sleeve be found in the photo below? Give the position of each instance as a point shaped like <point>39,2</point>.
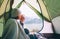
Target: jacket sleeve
<point>10,30</point>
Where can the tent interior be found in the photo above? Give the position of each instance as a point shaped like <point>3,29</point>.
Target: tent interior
<point>41,16</point>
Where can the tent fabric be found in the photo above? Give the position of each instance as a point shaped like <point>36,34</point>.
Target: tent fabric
<point>56,22</point>
<point>34,9</point>
<point>34,3</point>
<point>1,1</point>
<point>44,10</point>
<point>52,8</point>
<point>4,6</point>
<point>19,5</point>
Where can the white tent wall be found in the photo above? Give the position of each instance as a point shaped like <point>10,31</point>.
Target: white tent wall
<point>47,27</point>
<point>56,23</point>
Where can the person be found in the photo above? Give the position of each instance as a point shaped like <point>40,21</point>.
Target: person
<point>21,18</point>
<point>13,28</point>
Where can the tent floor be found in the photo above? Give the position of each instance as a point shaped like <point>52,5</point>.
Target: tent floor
<point>51,35</point>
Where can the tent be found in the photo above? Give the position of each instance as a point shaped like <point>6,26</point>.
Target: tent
<point>50,11</point>
<point>4,7</point>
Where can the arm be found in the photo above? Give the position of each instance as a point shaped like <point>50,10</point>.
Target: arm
<point>10,30</point>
